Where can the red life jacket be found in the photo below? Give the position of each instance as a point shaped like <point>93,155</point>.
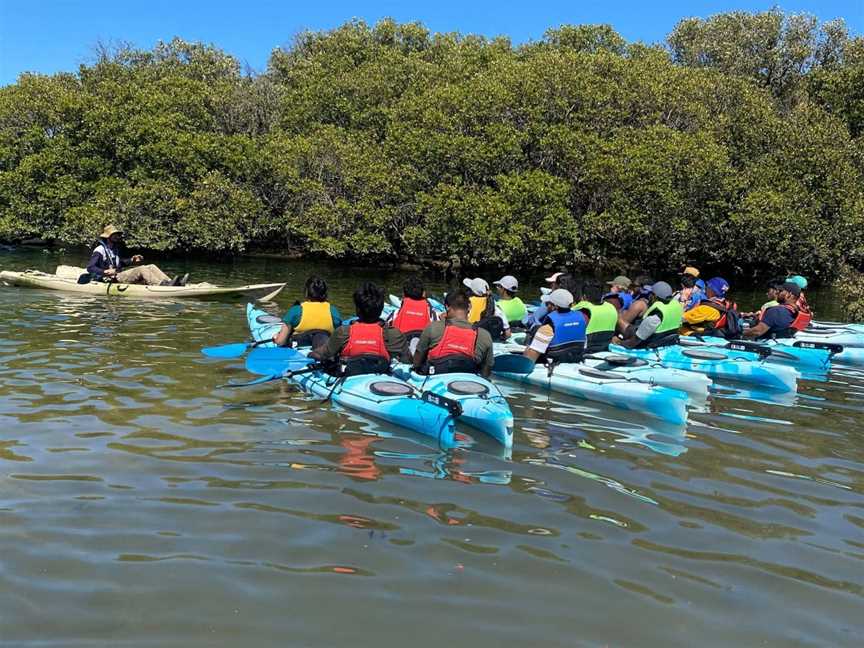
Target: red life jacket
<point>413,315</point>
<point>456,341</point>
<point>365,340</point>
<point>802,317</point>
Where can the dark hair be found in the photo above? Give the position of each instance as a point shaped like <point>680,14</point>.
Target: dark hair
<point>688,281</point>
<point>458,300</point>
<point>413,287</point>
<point>369,302</point>
<point>592,290</point>
<point>316,289</point>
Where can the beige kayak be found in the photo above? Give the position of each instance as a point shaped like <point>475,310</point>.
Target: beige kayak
<point>66,280</point>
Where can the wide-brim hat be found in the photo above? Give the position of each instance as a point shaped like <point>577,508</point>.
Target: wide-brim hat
<point>109,230</point>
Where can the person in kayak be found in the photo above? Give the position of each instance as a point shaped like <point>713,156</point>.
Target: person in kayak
<point>510,305</point>
<point>715,315</point>
<point>601,318</point>
<point>640,288</point>
<point>415,313</point>
<point>308,323</point>
<point>484,313</point>
<point>453,345</point>
<point>782,320</point>
<point>108,263</point>
<point>366,346</point>
<point>561,335</point>
<point>659,326</point>
<point>619,293</point>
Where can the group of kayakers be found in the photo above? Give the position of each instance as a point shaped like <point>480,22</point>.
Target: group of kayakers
<point>575,317</point>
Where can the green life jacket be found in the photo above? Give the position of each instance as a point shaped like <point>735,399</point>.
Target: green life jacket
<point>514,309</point>
<point>602,320</point>
<point>672,316</point>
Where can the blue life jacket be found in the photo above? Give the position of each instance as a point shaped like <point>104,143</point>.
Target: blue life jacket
<point>569,337</point>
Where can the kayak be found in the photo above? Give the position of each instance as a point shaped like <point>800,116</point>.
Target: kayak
<point>67,281</point>
<point>377,395</point>
<point>663,403</point>
<point>809,360</point>
<point>718,365</point>
<point>626,367</point>
<point>483,405</point>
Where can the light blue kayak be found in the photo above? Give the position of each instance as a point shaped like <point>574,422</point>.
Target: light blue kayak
<point>484,407</point>
<point>718,365</point>
<point>377,395</point>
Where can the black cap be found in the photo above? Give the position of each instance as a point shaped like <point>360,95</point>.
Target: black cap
<point>793,288</point>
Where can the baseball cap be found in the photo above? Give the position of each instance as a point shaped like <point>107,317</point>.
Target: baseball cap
<point>508,282</point>
<point>690,270</point>
<point>793,288</point>
<point>560,298</point>
<point>662,289</point>
<point>798,280</point>
<point>620,280</point>
<point>719,285</point>
<point>477,286</point>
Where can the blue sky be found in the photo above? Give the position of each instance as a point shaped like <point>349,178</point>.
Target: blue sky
<point>48,36</point>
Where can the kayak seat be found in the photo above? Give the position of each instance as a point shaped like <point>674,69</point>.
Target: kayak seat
<point>468,388</point>
<point>703,355</point>
<point>390,388</point>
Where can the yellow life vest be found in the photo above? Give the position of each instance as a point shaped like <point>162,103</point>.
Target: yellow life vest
<point>478,305</point>
<point>315,316</point>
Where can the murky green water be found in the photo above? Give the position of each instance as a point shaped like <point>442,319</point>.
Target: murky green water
<point>142,505</point>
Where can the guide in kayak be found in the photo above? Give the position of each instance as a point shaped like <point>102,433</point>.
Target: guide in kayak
<point>108,263</point>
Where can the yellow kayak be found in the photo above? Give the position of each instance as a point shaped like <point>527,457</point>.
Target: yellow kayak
<point>66,280</point>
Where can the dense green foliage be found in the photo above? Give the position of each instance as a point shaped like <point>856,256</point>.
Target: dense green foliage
<point>738,145</point>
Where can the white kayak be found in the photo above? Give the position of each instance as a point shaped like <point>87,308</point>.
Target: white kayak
<point>67,281</point>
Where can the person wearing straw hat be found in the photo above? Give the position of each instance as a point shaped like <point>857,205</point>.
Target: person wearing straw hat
<point>108,264</point>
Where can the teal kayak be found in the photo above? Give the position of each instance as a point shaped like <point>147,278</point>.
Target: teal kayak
<point>381,396</point>
<point>718,365</point>
<point>484,407</point>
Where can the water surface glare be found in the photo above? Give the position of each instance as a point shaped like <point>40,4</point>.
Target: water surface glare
<point>141,504</point>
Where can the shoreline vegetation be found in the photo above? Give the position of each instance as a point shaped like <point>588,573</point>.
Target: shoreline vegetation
<point>736,144</point>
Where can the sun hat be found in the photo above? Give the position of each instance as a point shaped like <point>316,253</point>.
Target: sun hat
<point>508,282</point>
<point>690,270</point>
<point>798,280</point>
<point>560,298</point>
<point>620,280</point>
<point>719,285</point>
<point>662,289</point>
<point>109,230</point>
<point>477,286</point>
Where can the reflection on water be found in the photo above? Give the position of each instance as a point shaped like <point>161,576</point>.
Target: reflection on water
<point>143,504</point>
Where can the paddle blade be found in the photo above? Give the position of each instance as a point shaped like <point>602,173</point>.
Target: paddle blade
<point>226,350</point>
<point>513,364</point>
<point>275,360</point>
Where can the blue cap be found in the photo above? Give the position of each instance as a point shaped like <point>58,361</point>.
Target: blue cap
<point>719,285</point>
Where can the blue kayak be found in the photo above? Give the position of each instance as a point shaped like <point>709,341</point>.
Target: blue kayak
<point>380,396</point>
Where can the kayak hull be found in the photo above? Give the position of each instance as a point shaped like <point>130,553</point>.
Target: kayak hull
<point>488,412</point>
<point>362,393</point>
<point>36,279</point>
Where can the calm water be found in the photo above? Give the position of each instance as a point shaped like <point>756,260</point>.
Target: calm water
<point>143,505</point>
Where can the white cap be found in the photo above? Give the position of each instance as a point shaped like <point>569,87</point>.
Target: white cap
<point>477,286</point>
<point>508,282</point>
<point>560,298</point>
<point>554,277</point>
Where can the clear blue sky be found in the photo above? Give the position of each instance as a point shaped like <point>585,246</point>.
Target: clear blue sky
<point>48,36</point>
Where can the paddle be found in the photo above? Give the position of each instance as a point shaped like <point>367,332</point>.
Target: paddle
<point>231,350</point>
<point>512,363</point>
<point>278,376</point>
